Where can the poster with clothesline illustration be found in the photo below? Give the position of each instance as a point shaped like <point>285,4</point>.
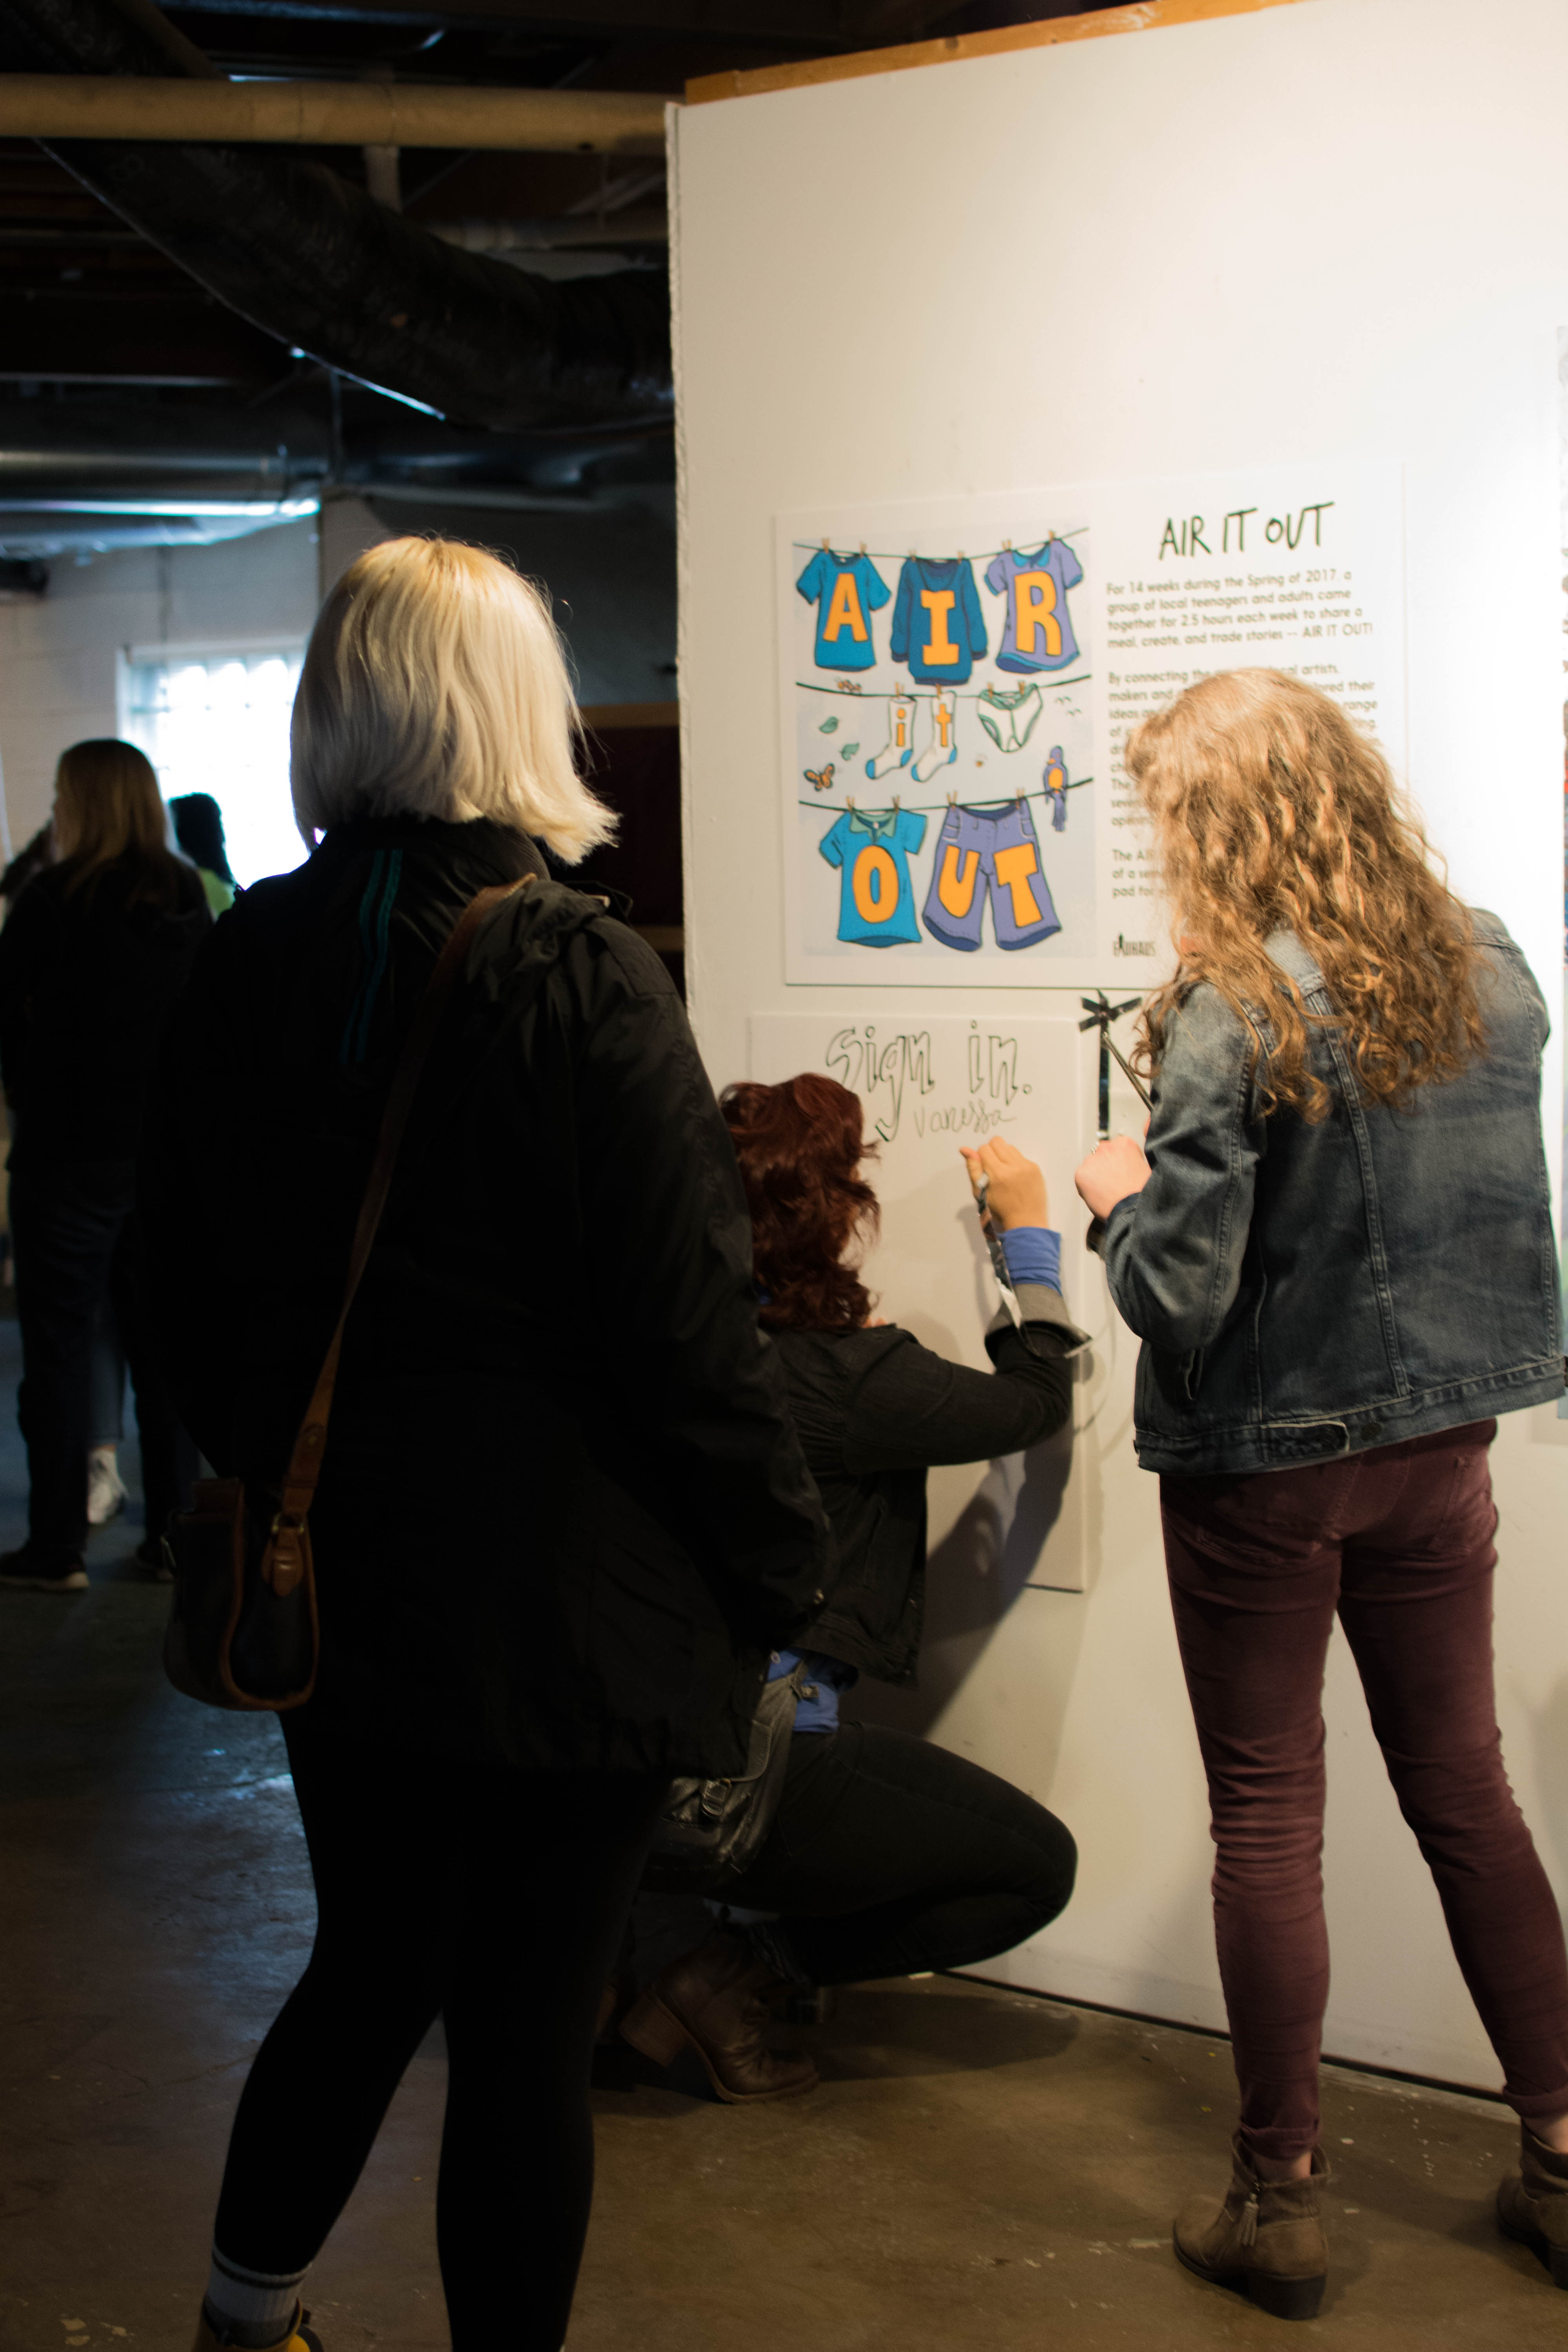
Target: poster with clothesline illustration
<point>959,679</point>
<point>939,740</point>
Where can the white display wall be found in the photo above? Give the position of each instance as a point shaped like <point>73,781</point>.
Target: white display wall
<point>1322,243</point>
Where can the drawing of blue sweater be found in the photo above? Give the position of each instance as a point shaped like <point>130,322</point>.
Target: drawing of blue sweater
<point>938,626</point>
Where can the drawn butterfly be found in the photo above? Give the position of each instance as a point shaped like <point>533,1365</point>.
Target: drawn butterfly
<point>850,685</point>
<point>820,779</point>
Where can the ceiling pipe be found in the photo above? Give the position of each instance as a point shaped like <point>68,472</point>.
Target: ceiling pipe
<point>561,233</point>
<point>315,262</point>
<point>330,114</point>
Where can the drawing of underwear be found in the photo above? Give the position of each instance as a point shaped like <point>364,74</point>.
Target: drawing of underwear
<point>1008,714</point>
<point>1057,789</point>
<point>992,852</point>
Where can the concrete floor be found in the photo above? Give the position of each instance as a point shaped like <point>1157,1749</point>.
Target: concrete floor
<point>980,2171</point>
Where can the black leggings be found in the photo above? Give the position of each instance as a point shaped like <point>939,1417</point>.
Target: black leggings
<point>890,1855</point>
<point>427,1886</point>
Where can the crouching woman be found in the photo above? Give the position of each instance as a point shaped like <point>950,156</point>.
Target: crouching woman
<point>889,1856</point>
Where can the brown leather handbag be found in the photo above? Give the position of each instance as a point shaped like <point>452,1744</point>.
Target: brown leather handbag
<point>243,1631</point>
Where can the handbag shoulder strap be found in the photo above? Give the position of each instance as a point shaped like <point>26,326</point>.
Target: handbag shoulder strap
<point>283,1564</point>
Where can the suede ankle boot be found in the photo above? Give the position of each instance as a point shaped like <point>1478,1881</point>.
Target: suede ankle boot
<point>1533,2204</point>
<point>298,2336</point>
<point>1265,2239</point>
<point>715,2000</point>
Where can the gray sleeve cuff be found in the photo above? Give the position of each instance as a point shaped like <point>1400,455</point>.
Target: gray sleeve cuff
<point>1037,1303</point>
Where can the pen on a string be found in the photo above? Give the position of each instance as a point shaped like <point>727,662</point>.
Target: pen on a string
<point>993,1240</point>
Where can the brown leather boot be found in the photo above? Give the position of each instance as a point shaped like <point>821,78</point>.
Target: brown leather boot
<point>1534,2207</point>
<point>1266,2239</point>
<point>714,2000</point>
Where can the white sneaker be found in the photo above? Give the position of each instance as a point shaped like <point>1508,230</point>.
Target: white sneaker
<point>105,1489</point>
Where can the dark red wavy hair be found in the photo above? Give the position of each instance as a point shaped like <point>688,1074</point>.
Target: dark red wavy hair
<point>799,1146</point>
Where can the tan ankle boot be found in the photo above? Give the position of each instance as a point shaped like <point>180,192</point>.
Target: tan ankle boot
<point>298,2336</point>
<point>1533,2205</point>
<point>1265,2239</point>
<point>714,2000</point>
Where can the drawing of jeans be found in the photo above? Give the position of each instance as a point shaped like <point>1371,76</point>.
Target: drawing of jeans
<point>995,853</point>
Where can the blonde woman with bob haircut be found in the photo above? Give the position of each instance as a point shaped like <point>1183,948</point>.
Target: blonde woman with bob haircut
<point>1336,1245</point>
<point>563,1516</point>
<point>92,956</point>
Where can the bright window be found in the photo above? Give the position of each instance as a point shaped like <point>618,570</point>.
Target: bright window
<point>217,721</point>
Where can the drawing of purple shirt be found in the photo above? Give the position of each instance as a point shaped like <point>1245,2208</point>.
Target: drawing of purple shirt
<point>1038,633</point>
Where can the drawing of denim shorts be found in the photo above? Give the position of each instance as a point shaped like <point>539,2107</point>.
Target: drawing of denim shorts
<point>994,852</point>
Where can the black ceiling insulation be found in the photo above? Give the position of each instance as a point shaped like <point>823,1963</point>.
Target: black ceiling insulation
<point>319,264</point>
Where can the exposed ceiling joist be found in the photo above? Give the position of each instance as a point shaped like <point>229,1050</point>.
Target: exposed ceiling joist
<point>790,24</point>
<point>327,114</point>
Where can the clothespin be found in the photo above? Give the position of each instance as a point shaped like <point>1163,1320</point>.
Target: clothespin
<point>1007,546</point>
<point>828,547</point>
<point>897,804</point>
<point>952,799</point>
<point>862,547</point>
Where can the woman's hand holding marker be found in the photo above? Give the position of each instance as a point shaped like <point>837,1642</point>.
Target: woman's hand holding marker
<point>1014,1188</point>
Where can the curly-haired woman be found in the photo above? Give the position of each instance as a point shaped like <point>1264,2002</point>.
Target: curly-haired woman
<point>889,1855</point>
<point>1338,1252</point>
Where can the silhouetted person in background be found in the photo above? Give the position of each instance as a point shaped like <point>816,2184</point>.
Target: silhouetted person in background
<point>199,829</point>
<point>92,956</point>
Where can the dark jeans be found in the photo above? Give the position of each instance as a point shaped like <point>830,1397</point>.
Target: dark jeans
<point>1399,1540</point>
<point>429,1889</point>
<point>75,1245</point>
<point>890,1856</point>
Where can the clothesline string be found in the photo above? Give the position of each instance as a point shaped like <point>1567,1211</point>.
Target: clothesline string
<point>939,693</point>
<point>986,556</point>
<point>925,808</point>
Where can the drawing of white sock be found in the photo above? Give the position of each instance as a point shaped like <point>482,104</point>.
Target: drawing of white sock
<point>899,748</point>
<point>942,748</point>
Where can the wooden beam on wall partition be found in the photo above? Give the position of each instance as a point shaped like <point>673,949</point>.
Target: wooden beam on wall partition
<point>1138,17</point>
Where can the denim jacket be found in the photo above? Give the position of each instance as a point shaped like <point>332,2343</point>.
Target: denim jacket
<point>1303,1292</point>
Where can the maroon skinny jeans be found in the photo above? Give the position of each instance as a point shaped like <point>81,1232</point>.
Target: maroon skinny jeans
<point>1398,1539</point>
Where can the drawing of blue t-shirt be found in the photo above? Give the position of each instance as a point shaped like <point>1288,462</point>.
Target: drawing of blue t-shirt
<point>876,899</point>
<point>938,626</point>
<point>1038,632</point>
<point>846,590</point>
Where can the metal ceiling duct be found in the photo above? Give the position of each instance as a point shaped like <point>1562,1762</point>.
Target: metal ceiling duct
<point>320,265</point>
<point>56,454</point>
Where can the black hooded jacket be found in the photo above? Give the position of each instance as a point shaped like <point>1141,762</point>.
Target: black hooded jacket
<point>87,975</point>
<point>564,1513</point>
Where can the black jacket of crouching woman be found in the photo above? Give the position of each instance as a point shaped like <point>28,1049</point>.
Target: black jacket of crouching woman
<point>875,1411</point>
<point>563,1515</point>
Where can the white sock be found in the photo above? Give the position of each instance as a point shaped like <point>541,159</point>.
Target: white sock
<point>942,748</point>
<point>253,2308</point>
<point>899,748</point>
